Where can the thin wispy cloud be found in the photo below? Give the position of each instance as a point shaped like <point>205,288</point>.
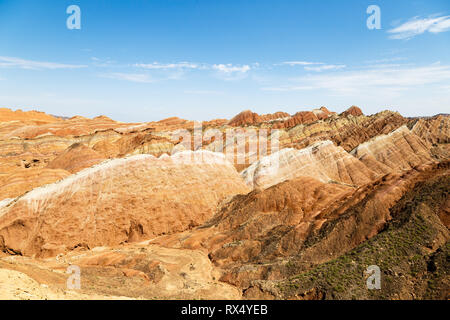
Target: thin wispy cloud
<point>327,67</point>
<point>229,68</point>
<point>162,66</point>
<point>386,60</point>
<point>299,63</point>
<point>177,70</point>
<point>371,80</point>
<point>157,71</point>
<point>387,65</point>
<point>416,26</point>
<point>133,77</point>
<point>13,62</point>
<point>313,66</point>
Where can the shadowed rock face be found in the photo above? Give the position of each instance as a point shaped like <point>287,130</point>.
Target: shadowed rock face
<point>341,191</point>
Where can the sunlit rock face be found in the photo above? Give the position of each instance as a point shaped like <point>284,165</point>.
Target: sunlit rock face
<point>144,216</point>
<point>322,160</point>
<point>248,117</point>
<point>75,158</point>
<point>121,200</point>
<point>398,150</point>
<point>37,117</point>
<point>352,111</point>
<point>20,181</point>
<point>27,143</point>
<point>345,131</point>
<point>435,130</point>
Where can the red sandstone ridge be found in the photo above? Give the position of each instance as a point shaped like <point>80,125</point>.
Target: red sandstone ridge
<point>353,110</point>
<point>280,119</point>
<point>274,116</point>
<point>245,118</point>
<point>248,117</point>
<point>303,117</point>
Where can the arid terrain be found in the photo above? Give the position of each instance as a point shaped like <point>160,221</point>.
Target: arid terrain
<point>298,208</point>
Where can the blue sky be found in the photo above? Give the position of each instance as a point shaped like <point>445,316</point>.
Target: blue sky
<point>148,60</point>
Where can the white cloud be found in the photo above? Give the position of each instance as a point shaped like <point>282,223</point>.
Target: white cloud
<point>300,63</point>
<point>313,66</point>
<point>133,77</point>
<point>441,26</point>
<point>230,72</point>
<point>325,67</point>
<point>176,71</point>
<point>371,80</point>
<point>160,66</point>
<point>35,65</point>
<point>229,68</point>
<point>386,60</point>
<point>416,26</point>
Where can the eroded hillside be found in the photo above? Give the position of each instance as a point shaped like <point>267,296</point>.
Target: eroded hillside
<point>296,209</point>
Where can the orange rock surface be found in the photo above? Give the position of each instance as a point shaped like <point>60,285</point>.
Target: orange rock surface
<point>353,111</point>
<point>20,181</point>
<point>123,200</point>
<point>76,158</point>
<point>38,117</point>
<point>144,216</point>
<point>322,160</point>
